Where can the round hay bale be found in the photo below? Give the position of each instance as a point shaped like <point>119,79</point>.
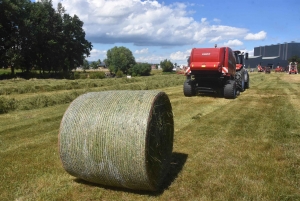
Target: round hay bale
<point>118,138</point>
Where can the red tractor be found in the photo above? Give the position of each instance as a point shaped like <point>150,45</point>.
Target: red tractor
<point>279,69</point>
<point>293,68</point>
<point>216,70</point>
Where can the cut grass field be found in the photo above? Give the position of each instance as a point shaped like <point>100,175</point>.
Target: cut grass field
<point>242,149</point>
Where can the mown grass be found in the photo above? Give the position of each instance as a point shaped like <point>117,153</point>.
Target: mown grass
<point>242,149</point>
<point>30,94</point>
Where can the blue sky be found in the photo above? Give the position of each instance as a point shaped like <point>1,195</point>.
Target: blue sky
<point>158,30</point>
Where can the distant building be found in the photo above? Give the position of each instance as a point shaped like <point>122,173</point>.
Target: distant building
<point>153,66</point>
<point>273,54</point>
<point>102,64</point>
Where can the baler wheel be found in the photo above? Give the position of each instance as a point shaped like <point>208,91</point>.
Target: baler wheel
<point>188,88</point>
<point>230,89</point>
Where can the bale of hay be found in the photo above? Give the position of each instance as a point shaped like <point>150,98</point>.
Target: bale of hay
<point>118,138</point>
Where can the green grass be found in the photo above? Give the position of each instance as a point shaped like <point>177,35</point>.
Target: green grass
<point>242,149</point>
<point>29,94</point>
<point>4,71</point>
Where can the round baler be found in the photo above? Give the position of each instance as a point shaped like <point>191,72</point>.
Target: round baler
<point>216,70</point>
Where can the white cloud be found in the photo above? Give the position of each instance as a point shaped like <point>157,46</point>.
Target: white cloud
<point>96,54</point>
<point>233,43</point>
<point>216,20</point>
<point>251,53</point>
<point>145,23</point>
<point>258,36</point>
<point>152,59</point>
<point>142,51</point>
<point>180,56</point>
<point>216,39</point>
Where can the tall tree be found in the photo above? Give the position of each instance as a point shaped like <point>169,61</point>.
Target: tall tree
<point>36,35</point>
<point>119,58</point>
<point>75,45</point>
<point>12,16</point>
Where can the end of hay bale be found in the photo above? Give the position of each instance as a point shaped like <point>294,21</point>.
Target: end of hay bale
<point>118,138</point>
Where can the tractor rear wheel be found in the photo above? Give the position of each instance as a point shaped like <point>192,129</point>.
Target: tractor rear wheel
<point>188,88</point>
<point>240,79</point>
<point>230,89</point>
<point>243,73</point>
<point>247,81</point>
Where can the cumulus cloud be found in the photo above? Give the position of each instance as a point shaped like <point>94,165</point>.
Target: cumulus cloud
<point>258,36</point>
<point>216,39</point>
<point>142,51</point>
<point>152,59</point>
<point>233,43</point>
<point>216,20</point>
<point>145,23</point>
<point>96,54</point>
<point>180,56</point>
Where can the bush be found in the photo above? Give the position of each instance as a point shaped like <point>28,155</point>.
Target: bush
<point>3,106</point>
<point>76,75</point>
<point>97,75</point>
<point>119,73</point>
<point>141,69</point>
<point>166,65</point>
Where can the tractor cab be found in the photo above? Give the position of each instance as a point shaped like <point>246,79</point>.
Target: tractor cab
<point>240,58</point>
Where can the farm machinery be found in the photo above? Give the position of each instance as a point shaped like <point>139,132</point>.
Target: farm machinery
<point>216,70</point>
<point>268,68</point>
<point>279,69</point>
<point>265,69</point>
<point>260,68</point>
<point>293,68</point>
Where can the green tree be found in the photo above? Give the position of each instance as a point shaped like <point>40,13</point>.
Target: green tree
<point>75,45</point>
<point>33,34</point>
<point>12,17</point>
<point>98,62</point>
<point>166,65</point>
<point>94,65</point>
<point>140,69</point>
<point>294,58</point>
<point>85,64</point>
<point>119,58</point>
<point>43,28</point>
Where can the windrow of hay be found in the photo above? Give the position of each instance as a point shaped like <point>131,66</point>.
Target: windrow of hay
<point>9,87</point>
<point>49,97</point>
<point>118,138</point>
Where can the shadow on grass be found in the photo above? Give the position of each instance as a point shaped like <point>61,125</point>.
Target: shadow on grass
<point>213,95</point>
<point>177,163</point>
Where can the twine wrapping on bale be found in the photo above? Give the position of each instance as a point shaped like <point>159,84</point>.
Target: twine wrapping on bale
<point>118,138</point>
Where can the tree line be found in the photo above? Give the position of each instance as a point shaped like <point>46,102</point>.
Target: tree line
<point>33,35</point>
<point>121,60</point>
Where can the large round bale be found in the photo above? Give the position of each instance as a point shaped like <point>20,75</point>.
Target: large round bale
<point>118,138</point>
